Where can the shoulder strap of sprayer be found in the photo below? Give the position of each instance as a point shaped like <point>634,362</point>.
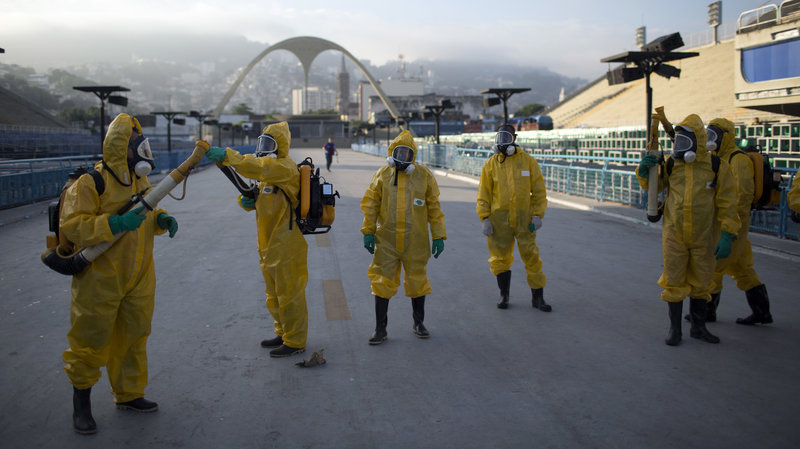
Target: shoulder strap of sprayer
<point>291,210</point>
<point>730,158</point>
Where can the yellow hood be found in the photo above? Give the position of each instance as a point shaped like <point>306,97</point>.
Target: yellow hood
<point>404,138</point>
<point>695,123</point>
<point>280,132</point>
<point>115,145</point>
<point>728,145</point>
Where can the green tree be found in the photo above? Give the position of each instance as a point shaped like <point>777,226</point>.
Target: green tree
<point>86,118</point>
<point>241,109</point>
<point>529,109</point>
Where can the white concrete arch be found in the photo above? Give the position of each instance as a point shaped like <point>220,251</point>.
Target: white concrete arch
<point>306,48</point>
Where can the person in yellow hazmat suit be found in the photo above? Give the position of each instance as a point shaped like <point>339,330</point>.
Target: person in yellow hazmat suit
<point>739,265</point>
<point>401,201</point>
<point>794,198</point>
<point>113,298</point>
<point>511,204</point>
<point>282,248</point>
<point>700,200</point>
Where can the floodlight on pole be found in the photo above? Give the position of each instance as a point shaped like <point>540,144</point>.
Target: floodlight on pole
<point>641,37</point>
<point>651,59</point>
<point>104,93</point>
<point>503,94</point>
<point>170,116</point>
<point>437,110</point>
<point>715,17</point>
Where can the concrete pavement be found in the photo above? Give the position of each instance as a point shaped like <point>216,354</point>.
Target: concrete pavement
<point>593,373</point>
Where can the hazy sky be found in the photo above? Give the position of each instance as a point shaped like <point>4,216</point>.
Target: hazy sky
<point>567,36</point>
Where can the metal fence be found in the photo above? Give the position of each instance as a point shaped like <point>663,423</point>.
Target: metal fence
<point>24,181</point>
<point>602,178</point>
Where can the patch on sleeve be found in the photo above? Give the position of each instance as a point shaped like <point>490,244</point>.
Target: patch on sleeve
<point>419,202</point>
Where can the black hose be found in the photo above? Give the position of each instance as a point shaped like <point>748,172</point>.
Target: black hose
<point>238,182</point>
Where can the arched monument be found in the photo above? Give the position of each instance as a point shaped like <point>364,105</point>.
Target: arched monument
<point>306,48</point>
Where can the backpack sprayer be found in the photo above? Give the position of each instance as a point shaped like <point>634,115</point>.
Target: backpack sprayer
<point>72,264</point>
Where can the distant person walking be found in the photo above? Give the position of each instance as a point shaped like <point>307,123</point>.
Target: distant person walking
<point>330,150</point>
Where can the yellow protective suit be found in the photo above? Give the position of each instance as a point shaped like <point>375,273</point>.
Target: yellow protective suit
<point>694,214</point>
<point>794,194</point>
<point>739,265</point>
<point>282,251</point>
<point>510,193</point>
<point>113,298</point>
<point>398,216</point>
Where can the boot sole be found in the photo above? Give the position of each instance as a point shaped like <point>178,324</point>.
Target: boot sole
<point>377,342</point>
<point>278,356</point>
<point>85,432</point>
<point>705,339</point>
<point>421,335</point>
<point>138,410</point>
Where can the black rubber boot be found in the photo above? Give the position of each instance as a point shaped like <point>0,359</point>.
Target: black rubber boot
<point>675,334</point>
<point>711,312</point>
<point>381,309</point>
<point>418,305</point>
<point>758,300</point>
<point>82,420</point>
<point>272,343</point>
<point>697,310</point>
<point>504,282</point>
<point>285,351</point>
<point>537,300</point>
<point>140,405</point>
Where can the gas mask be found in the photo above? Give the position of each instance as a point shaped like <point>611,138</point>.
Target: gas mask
<point>266,146</point>
<point>685,148</point>
<point>714,137</point>
<point>504,141</point>
<point>142,162</point>
<point>402,158</point>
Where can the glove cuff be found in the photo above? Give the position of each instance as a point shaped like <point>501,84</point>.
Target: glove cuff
<point>114,225</point>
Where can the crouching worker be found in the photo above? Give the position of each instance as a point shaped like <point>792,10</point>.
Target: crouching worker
<point>401,201</point>
<point>701,199</point>
<point>113,298</point>
<point>282,248</point>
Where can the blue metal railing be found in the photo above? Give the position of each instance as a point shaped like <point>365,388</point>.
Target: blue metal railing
<point>602,178</point>
<point>24,181</point>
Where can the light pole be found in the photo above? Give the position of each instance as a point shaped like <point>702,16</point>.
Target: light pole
<point>170,116</point>
<point>651,59</point>
<point>199,116</point>
<point>214,122</point>
<point>502,94</point>
<point>104,93</point>
<point>437,110</point>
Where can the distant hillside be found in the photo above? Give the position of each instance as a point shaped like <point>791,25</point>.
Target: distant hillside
<point>182,73</point>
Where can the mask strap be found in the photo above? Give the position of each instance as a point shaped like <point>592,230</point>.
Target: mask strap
<point>113,175</point>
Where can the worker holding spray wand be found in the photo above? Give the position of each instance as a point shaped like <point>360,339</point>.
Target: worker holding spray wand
<point>699,195</point>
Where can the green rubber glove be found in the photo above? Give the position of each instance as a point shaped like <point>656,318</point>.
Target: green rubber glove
<point>536,223</point>
<point>437,248</point>
<point>128,221</point>
<point>723,248</point>
<point>369,243</point>
<point>647,161</point>
<point>168,222</point>
<point>247,203</point>
<point>216,154</point>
